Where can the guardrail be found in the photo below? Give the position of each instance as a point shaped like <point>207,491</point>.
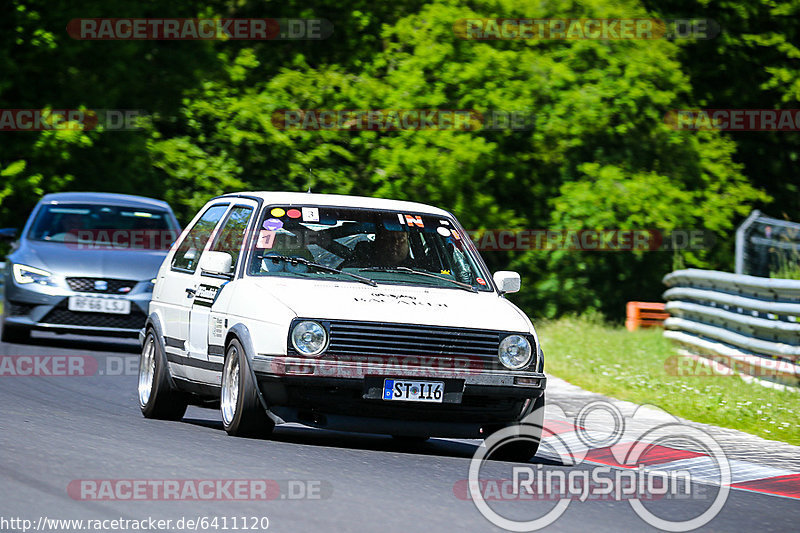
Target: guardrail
<point>763,243</point>
<point>751,323</point>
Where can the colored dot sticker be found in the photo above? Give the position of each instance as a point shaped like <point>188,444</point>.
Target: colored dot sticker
<point>481,281</point>
<point>273,224</point>
<point>294,213</point>
<point>277,212</point>
<point>444,232</point>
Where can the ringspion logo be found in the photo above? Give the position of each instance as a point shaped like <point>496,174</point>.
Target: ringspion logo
<point>641,471</point>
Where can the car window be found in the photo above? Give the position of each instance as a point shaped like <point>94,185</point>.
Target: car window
<point>187,256</point>
<point>231,237</point>
<point>108,225</point>
<point>368,242</point>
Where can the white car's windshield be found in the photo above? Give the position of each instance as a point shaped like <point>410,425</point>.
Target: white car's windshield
<point>384,246</point>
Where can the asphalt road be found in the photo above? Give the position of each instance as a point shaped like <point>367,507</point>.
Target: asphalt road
<point>57,431</point>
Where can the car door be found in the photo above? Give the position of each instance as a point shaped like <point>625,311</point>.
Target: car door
<point>178,285</point>
<point>230,239</point>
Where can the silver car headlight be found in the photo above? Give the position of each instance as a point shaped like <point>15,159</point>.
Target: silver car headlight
<point>514,352</point>
<point>24,274</point>
<point>309,338</point>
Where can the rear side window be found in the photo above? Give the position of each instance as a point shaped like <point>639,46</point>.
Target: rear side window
<point>191,248</point>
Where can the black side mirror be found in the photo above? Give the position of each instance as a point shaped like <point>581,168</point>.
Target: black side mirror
<point>8,234</point>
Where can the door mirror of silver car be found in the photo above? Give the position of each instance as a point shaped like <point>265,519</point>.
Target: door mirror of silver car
<point>8,234</point>
<point>507,281</point>
<point>216,263</point>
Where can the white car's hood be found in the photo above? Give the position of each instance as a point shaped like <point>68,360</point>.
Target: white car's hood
<point>396,303</point>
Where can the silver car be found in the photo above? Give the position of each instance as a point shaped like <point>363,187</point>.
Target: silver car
<point>85,263</point>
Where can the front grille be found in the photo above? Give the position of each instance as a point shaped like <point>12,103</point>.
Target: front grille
<point>63,316</point>
<point>373,338</point>
<point>113,286</point>
<point>15,309</point>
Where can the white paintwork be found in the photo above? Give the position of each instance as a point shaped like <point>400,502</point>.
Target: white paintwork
<point>266,305</point>
<point>216,262</point>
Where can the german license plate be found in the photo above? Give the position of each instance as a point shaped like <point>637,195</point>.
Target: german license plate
<point>91,304</point>
<point>413,391</point>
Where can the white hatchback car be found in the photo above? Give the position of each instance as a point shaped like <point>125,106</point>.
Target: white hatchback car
<point>340,312</point>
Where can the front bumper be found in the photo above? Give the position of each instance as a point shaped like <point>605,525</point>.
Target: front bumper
<point>44,308</point>
<point>348,396</point>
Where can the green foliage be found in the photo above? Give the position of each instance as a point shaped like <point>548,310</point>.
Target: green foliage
<point>599,156</point>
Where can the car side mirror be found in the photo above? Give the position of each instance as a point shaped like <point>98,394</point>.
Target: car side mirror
<point>216,263</point>
<point>8,234</point>
<point>507,281</point>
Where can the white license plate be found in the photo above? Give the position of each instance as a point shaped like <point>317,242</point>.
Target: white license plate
<point>413,391</point>
<point>90,304</point>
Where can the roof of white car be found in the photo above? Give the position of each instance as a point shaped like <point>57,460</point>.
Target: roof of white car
<point>312,199</point>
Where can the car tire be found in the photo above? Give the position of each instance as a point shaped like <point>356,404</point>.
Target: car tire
<point>523,450</point>
<point>157,398</point>
<point>15,334</point>
<point>240,407</point>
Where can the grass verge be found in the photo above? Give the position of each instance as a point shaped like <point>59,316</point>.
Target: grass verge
<point>631,366</point>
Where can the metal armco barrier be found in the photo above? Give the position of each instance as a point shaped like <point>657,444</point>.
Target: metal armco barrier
<point>751,321</point>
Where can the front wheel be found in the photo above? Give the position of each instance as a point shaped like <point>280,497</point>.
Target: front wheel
<point>15,334</point>
<point>157,399</point>
<point>242,412</point>
<point>522,450</point>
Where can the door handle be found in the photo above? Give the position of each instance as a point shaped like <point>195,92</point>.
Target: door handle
<point>190,292</point>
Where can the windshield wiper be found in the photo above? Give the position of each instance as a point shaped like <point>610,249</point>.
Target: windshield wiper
<point>465,286</point>
<point>312,264</point>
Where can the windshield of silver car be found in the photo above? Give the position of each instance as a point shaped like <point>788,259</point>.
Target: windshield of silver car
<point>102,226</point>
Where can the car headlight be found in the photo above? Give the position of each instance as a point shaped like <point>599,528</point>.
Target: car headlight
<point>25,274</point>
<point>514,352</point>
<point>309,338</point>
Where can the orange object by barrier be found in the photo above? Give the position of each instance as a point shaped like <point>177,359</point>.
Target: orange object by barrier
<point>645,314</point>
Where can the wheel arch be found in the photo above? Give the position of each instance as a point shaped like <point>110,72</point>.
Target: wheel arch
<point>154,322</point>
<point>240,332</point>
